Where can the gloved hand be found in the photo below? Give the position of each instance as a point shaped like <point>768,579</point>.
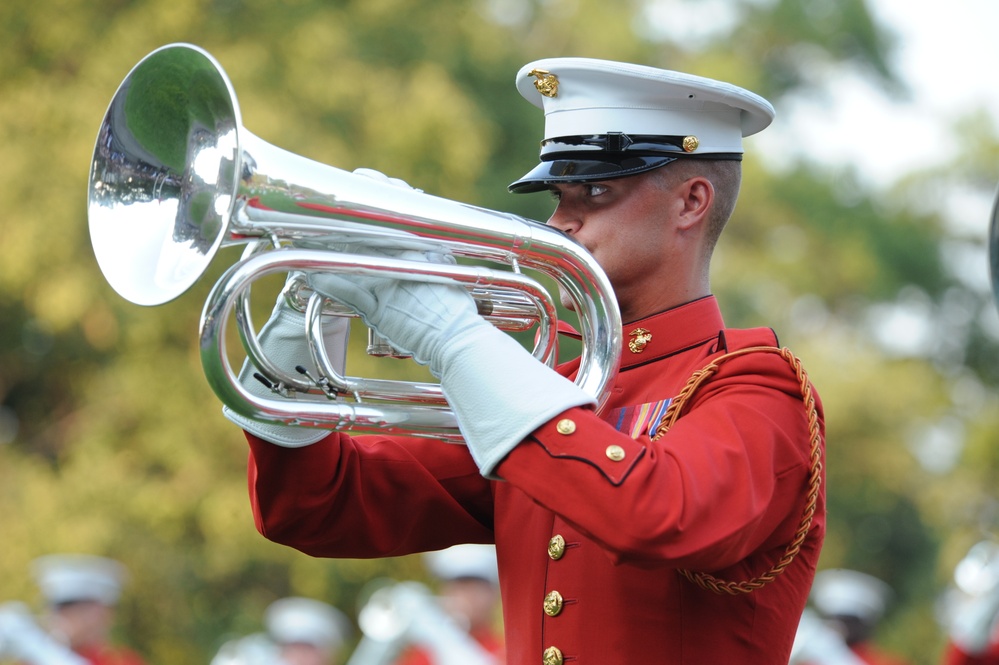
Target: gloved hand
<point>973,627</point>
<point>23,640</point>
<point>283,341</point>
<point>412,315</point>
<point>497,389</point>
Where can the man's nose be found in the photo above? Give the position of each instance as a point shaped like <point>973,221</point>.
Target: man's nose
<point>564,218</point>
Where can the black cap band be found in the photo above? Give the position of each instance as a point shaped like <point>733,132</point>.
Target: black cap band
<point>586,170</point>
<point>604,157</point>
<point>615,142</point>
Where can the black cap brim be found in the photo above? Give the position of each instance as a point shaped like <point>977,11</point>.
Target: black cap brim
<point>585,170</point>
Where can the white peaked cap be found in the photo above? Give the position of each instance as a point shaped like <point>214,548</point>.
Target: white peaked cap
<point>840,592</point>
<point>464,561</point>
<point>295,619</point>
<point>582,97</point>
<point>64,578</point>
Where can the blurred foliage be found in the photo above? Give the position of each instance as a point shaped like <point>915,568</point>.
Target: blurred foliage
<point>112,443</point>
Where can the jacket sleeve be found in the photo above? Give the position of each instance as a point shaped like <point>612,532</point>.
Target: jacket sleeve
<point>729,478</point>
<point>368,497</point>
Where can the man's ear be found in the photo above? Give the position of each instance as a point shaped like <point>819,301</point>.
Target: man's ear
<point>697,195</point>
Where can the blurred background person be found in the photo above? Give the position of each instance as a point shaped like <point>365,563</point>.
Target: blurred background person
<point>307,631</point>
<point>407,623</point>
<point>972,609</point>
<point>467,580</point>
<point>299,631</point>
<point>850,604</point>
<point>81,594</point>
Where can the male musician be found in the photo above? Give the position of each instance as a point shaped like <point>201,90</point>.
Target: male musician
<point>81,595</point>
<point>605,523</point>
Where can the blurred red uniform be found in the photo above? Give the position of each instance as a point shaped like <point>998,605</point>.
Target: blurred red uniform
<point>953,655</point>
<point>107,655</point>
<point>491,641</point>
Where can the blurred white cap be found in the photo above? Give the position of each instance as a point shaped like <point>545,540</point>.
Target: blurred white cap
<point>840,592</point>
<point>464,561</point>
<point>308,621</point>
<point>64,578</point>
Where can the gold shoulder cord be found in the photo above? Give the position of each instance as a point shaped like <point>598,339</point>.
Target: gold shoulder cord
<point>711,582</point>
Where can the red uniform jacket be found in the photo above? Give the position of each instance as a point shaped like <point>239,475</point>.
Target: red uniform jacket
<point>723,491</point>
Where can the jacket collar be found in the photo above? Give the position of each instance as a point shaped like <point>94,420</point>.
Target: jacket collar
<point>666,333</point>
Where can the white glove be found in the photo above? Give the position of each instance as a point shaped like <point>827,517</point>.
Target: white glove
<point>412,315</point>
<point>974,625</point>
<point>283,341</point>
<point>22,639</point>
<point>499,392</point>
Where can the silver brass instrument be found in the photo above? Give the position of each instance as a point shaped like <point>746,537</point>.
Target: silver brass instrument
<point>993,242</point>
<point>175,176</point>
<point>404,614</point>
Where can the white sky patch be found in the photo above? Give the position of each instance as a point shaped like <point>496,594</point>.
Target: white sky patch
<point>943,57</point>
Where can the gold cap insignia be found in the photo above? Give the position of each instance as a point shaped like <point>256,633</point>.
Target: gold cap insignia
<point>546,83</point>
<point>640,337</point>
<point>690,143</point>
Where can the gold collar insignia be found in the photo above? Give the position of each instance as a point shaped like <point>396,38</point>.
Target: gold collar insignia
<point>640,337</point>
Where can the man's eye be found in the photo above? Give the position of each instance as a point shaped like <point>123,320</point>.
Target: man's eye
<point>555,194</point>
<point>596,190</point>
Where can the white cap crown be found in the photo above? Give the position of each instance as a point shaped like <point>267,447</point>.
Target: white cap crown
<point>295,619</point>
<point>64,578</point>
<point>602,96</point>
<point>606,119</point>
<point>840,592</point>
<point>469,560</point>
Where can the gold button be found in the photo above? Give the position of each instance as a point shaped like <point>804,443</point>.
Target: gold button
<point>556,547</point>
<point>553,603</point>
<point>565,426</point>
<point>615,453</point>
<point>552,656</point>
